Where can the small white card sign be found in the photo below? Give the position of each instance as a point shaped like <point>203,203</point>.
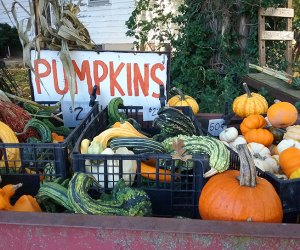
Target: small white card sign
<point>150,113</point>
<point>73,118</point>
<point>216,126</point>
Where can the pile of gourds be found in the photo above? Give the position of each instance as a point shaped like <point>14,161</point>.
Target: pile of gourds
<point>270,132</point>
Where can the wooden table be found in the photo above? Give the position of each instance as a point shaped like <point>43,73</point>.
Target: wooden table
<point>276,88</point>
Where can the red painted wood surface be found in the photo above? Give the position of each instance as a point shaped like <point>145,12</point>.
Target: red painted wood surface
<point>70,231</point>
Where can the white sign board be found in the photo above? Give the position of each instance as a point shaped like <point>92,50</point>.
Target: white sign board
<point>134,76</point>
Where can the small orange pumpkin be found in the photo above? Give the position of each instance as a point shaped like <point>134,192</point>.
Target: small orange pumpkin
<point>289,160</point>
<point>183,100</point>
<point>252,122</point>
<point>262,136</point>
<point>282,114</point>
<point>250,198</point>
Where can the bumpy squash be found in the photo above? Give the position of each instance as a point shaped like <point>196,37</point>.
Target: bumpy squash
<point>249,103</point>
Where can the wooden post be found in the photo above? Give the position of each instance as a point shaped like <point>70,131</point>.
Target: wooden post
<point>286,35</point>
<point>289,49</point>
<point>262,43</point>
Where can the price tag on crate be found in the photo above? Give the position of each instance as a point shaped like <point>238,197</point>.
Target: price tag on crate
<point>73,118</point>
<point>216,126</point>
<point>150,113</point>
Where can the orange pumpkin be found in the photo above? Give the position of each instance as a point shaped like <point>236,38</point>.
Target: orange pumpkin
<point>262,136</point>
<point>282,114</point>
<point>252,198</point>
<point>183,100</point>
<point>252,122</point>
<point>289,160</point>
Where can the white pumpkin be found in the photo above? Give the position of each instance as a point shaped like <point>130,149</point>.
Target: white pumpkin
<point>287,143</point>
<point>276,158</point>
<point>257,148</point>
<point>292,132</point>
<point>239,140</point>
<point>229,134</point>
<point>266,166</point>
<point>266,163</point>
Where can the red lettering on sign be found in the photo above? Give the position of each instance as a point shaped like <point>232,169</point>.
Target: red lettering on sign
<point>98,79</point>
<point>138,79</point>
<point>129,79</point>
<point>84,73</point>
<point>155,78</point>
<point>56,85</point>
<point>113,79</point>
<point>38,74</point>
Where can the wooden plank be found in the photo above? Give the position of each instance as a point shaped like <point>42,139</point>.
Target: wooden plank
<point>278,12</point>
<point>261,43</point>
<point>277,35</point>
<point>276,88</point>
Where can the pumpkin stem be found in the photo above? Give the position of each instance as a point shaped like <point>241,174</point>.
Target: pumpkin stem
<point>247,166</point>
<point>178,92</point>
<point>15,187</point>
<point>247,90</point>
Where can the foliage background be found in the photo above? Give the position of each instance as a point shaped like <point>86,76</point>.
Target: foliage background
<point>212,42</point>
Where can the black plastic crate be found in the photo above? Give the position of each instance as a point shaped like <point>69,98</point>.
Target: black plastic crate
<point>288,190</point>
<point>178,197</point>
<point>35,157</point>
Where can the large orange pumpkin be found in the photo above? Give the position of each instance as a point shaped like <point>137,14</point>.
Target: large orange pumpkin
<point>289,160</point>
<point>252,198</point>
<point>183,100</point>
<point>249,103</point>
<point>252,122</point>
<point>260,135</point>
<point>282,114</point>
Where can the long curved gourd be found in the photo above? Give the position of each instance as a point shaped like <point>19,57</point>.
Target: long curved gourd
<point>7,135</point>
<point>104,137</point>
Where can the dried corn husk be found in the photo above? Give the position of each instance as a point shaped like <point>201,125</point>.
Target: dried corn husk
<point>66,32</point>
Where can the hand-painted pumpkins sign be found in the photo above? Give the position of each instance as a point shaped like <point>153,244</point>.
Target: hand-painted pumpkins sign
<point>134,76</point>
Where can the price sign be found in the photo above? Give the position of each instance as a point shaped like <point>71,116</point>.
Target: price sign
<point>216,126</point>
<point>73,118</point>
<point>150,113</point>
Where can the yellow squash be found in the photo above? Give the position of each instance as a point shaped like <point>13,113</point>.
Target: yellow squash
<point>7,135</point>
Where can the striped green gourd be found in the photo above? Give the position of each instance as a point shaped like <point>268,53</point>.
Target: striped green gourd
<point>123,200</point>
<point>219,155</point>
<point>137,145</point>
